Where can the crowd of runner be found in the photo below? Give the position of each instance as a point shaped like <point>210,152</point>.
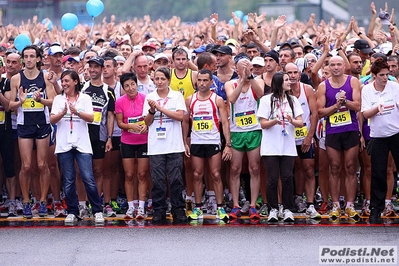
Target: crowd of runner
<point>263,118</point>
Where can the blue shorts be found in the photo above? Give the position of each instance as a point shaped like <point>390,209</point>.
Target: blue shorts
<point>34,131</point>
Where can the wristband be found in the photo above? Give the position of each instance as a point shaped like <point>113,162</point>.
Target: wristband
<point>109,137</point>
<point>338,49</point>
<point>151,113</point>
<point>259,27</point>
<point>300,38</point>
<point>360,33</point>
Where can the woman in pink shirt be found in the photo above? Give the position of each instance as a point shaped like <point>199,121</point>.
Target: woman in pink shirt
<point>129,110</point>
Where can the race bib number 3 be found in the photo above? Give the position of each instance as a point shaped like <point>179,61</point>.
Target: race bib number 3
<point>246,119</point>
<point>202,124</point>
<point>340,119</point>
<point>31,105</point>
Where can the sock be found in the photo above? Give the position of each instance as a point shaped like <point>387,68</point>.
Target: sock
<point>149,202</point>
<point>308,204</point>
<point>368,201</point>
<point>336,203</point>
<point>130,203</point>
<point>141,204</point>
<point>82,202</point>
<point>348,204</point>
<point>135,203</point>
<point>341,198</point>
<point>220,205</point>
<point>188,197</point>
<point>198,205</point>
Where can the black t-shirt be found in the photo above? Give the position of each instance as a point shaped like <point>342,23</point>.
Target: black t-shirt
<point>101,105</point>
<point>5,117</point>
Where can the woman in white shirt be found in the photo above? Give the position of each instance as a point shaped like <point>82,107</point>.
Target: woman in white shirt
<point>380,104</point>
<point>71,111</point>
<point>279,114</point>
<point>164,110</point>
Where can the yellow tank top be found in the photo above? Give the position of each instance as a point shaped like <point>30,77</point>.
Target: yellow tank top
<point>365,68</point>
<point>184,85</point>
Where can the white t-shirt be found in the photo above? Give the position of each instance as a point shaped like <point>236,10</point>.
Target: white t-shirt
<point>146,88</point>
<point>274,143</point>
<point>79,137</point>
<point>385,124</point>
<point>165,134</point>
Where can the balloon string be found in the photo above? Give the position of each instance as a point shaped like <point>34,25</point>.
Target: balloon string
<point>92,27</point>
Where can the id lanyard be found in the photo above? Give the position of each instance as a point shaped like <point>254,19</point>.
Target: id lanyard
<point>282,110</point>
<point>164,103</point>
<point>70,118</point>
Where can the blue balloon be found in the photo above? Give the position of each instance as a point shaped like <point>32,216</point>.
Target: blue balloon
<point>239,13</point>
<point>94,7</point>
<point>231,22</point>
<point>49,25</point>
<point>245,19</point>
<point>69,21</point>
<point>21,41</point>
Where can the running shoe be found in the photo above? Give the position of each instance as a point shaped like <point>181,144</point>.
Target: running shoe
<point>366,208</point>
<point>351,212</point>
<point>189,205</point>
<point>35,208</point>
<point>84,212</point>
<point>221,214</point>
<point>245,208</point>
<point>196,214</point>
<point>12,209</point>
<point>115,207</point>
<point>300,204</point>
<point>130,213</point>
<point>59,210</point>
<point>335,212</point>
<point>71,219</point>
<point>273,216</point>
<point>122,202</point>
<point>235,213</point>
<point>212,206</point>
<point>312,213</point>
<point>149,210</point>
<point>99,218</point>
<point>389,211</point>
<point>108,212</point>
<point>323,208</point>
<point>141,213</point>
<point>259,202</point>
<point>27,211</point>
<point>253,213</point>
<point>19,206</point>
<point>280,211</point>
<point>288,216</point>
<point>395,204</point>
<point>42,209</point>
<point>263,211</point>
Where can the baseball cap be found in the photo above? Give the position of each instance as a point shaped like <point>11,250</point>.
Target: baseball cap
<point>161,56</point>
<point>73,58</point>
<point>363,46</point>
<point>149,44</point>
<point>257,60</point>
<point>232,42</point>
<point>11,51</point>
<point>55,50</point>
<point>273,54</point>
<point>119,58</point>
<point>200,49</point>
<point>241,56</point>
<point>384,16</point>
<point>99,40</point>
<point>223,50</point>
<point>96,59</point>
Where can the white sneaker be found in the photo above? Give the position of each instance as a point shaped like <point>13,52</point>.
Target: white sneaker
<point>312,213</point>
<point>288,216</point>
<point>141,213</point>
<point>71,219</point>
<point>130,213</point>
<point>273,216</point>
<point>280,211</point>
<point>99,218</point>
<point>12,209</point>
<point>19,205</point>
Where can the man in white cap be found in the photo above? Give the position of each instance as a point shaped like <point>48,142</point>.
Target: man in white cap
<point>258,64</point>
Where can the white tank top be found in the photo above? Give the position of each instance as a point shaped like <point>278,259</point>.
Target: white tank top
<point>117,90</point>
<point>243,112</point>
<point>302,132</point>
<point>205,119</point>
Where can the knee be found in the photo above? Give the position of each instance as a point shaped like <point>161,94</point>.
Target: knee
<point>335,170</point>
<point>197,175</point>
<point>42,167</point>
<point>129,177</point>
<point>142,177</point>
<point>216,177</point>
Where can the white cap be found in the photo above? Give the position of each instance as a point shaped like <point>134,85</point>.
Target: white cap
<point>161,55</point>
<point>257,60</point>
<point>55,49</point>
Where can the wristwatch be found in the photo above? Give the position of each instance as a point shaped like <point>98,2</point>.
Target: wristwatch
<point>251,77</point>
<point>78,112</point>
<point>228,144</point>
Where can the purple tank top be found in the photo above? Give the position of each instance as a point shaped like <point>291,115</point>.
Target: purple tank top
<point>344,120</point>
